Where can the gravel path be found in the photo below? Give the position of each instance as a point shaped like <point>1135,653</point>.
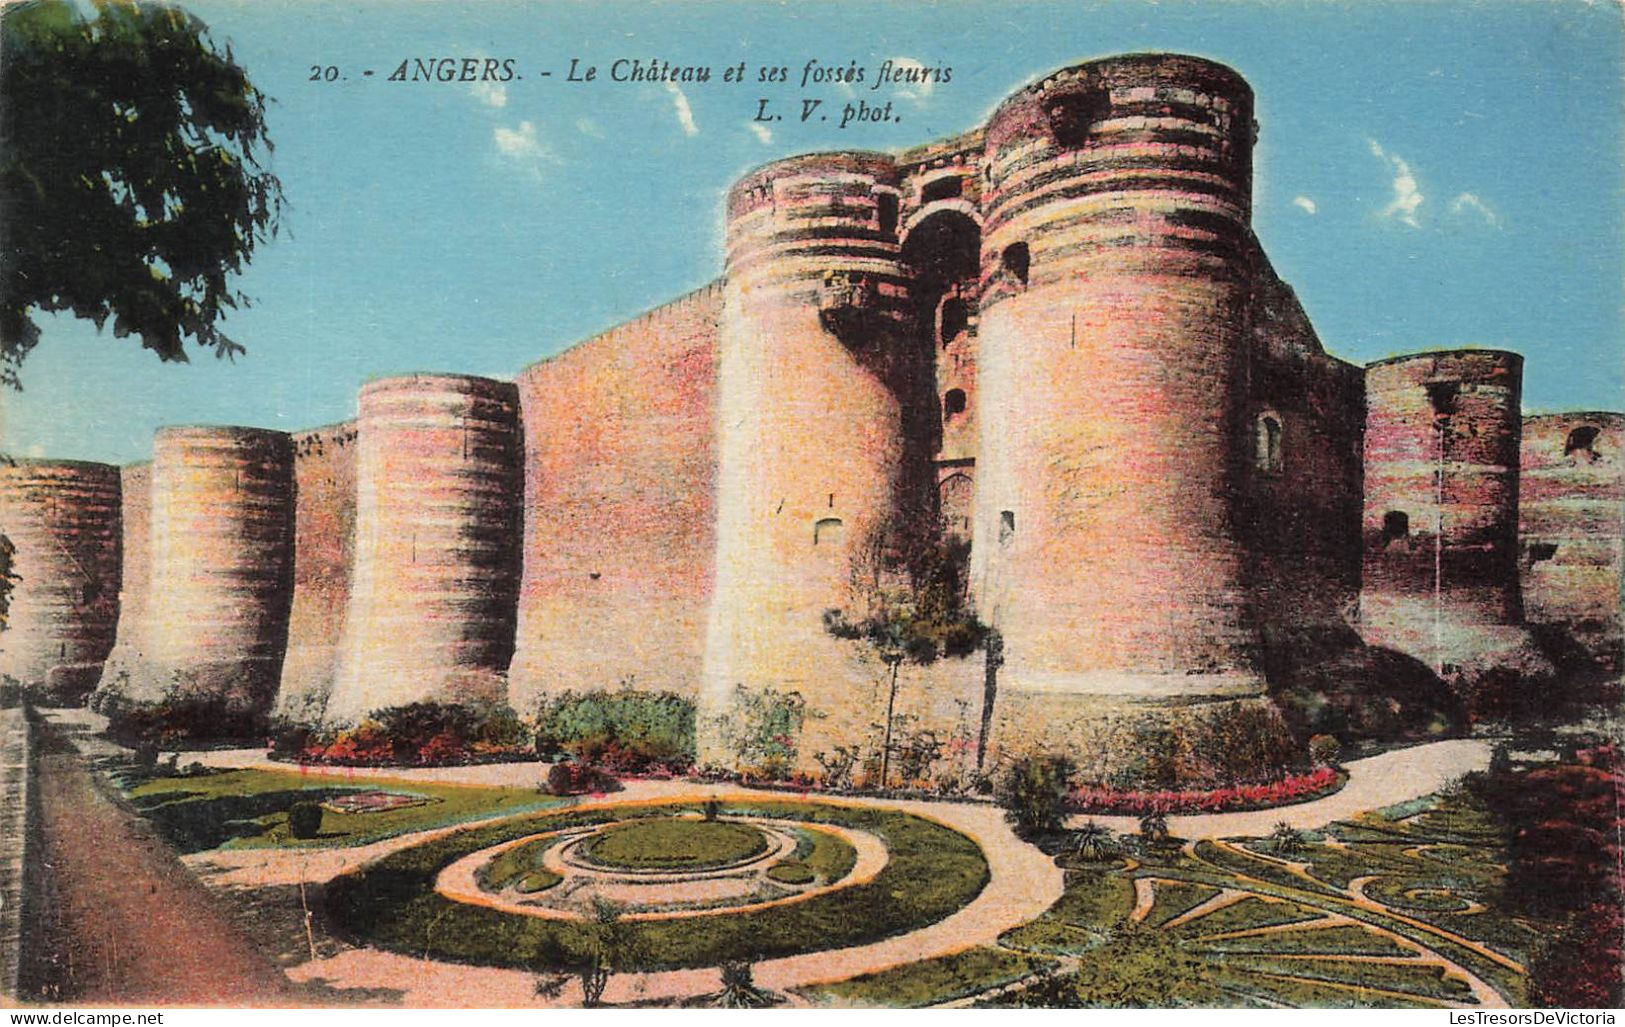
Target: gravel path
<point>1023,882</point>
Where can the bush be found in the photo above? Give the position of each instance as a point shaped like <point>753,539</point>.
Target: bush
<point>578,779</point>
<point>1033,792</point>
<point>627,731</point>
<point>762,730</point>
<point>416,734</point>
<point>305,819</point>
<point>1324,750</point>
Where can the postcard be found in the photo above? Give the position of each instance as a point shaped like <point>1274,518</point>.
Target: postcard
<point>676,504</point>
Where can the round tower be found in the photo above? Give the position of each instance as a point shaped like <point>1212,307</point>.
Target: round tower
<point>1440,527</point>
<point>1112,338</point>
<point>430,616</point>
<point>60,526</point>
<point>817,376</point>
<point>1571,504</point>
<point>205,657</point>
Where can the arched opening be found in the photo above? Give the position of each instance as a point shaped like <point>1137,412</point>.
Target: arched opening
<point>943,249</point>
<point>1007,526</point>
<point>1396,524</point>
<point>828,531</point>
<point>1268,444</point>
<point>1017,261</point>
<point>1582,440</point>
<point>953,403</point>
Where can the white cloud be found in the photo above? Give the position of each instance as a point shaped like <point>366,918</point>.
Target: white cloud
<point>589,127</point>
<point>1407,197</point>
<point>918,91</point>
<point>685,113</point>
<point>1305,204</point>
<point>1469,203</point>
<point>763,133</point>
<point>521,147</point>
<point>492,94</point>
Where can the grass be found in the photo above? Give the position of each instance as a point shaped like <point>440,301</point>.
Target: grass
<point>1421,981</point>
<point>511,864</point>
<point>1448,847</point>
<point>933,981</point>
<point>248,809</point>
<point>1246,915</point>
<point>668,843</point>
<point>791,872</point>
<point>1344,941</point>
<point>931,872</point>
<point>537,881</point>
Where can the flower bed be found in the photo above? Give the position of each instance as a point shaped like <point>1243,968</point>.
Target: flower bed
<point>1288,791</point>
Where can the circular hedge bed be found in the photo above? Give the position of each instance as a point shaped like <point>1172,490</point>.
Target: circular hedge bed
<point>666,843</point>
<point>931,872</point>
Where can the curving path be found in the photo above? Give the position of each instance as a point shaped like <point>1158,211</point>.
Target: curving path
<point>1373,783</point>
<point>1023,883</point>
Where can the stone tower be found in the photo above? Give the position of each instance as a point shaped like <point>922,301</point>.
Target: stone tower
<point>435,578</point>
<point>206,643</point>
<point>816,376</point>
<point>1115,279</point>
<point>61,520</point>
<point>1440,573</point>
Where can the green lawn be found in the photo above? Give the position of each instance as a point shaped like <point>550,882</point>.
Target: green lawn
<point>1430,861</point>
<point>248,809</point>
<point>931,872</point>
<point>932,981</point>
<point>668,843</point>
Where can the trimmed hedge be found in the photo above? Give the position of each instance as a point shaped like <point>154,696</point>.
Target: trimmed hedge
<point>932,872</point>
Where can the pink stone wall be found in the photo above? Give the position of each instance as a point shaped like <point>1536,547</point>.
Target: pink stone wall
<point>620,507</point>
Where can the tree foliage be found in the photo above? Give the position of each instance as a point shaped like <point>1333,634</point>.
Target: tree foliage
<point>131,187</point>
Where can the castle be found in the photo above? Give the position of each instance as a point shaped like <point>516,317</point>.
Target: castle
<point>1054,337</point>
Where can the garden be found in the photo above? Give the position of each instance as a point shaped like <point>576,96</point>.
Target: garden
<point>928,872</point>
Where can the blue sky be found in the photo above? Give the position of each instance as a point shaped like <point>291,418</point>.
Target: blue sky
<point>1429,174</point>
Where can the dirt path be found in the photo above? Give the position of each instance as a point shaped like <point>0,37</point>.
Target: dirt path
<point>123,921</point>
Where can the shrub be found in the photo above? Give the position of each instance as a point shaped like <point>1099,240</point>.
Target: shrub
<point>1287,840</point>
<point>1033,793</point>
<point>578,779</point>
<point>305,819</point>
<point>762,731</point>
<point>1092,843</point>
<point>1154,828</point>
<point>146,755</point>
<point>1324,750</point>
<point>627,730</point>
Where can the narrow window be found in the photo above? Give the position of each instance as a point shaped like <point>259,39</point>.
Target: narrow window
<point>955,319</point>
<point>828,531</point>
<point>953,402</point>
<point>1007,526</point>
<point>1582,440</point>
<point>943,189</point>
<point>886,212</point>
<point>1396,524</point>
<point>1269,444</point>
<point>1017,261</point>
